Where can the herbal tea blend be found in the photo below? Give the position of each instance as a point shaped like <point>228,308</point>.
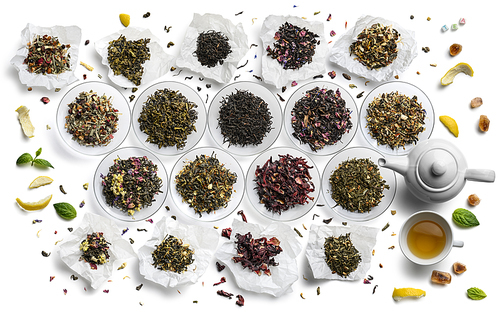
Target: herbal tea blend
<point>340,255</point>
<point>376,46</point>
<point>244,119</point>
<point>91,119</point>
<point>320,118</point>
<point>205,184</point>
<point>95,249</point>
<point>395,120</point>
<point>126,57</point>
<point>356,185</point>
<point>46,55</point>
<point>172,255</point>
<point>131,184</point>
<point>283,183</point>
<point>212,48</point>
<point>257,254</point>
<point>294,46</point>
<point>168,117</point>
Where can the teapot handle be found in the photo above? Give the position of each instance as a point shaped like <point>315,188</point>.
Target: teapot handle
<point>482,175</point>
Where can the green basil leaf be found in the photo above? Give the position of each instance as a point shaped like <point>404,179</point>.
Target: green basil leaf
<point>24,158</point>
<point>475,293</point>
<point>464,218</point>
<point>43,162</point>
<point>65,210</point>
<point>38,152</point>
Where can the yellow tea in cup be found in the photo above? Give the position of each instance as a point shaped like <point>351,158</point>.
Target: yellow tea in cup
<point>426,239</point>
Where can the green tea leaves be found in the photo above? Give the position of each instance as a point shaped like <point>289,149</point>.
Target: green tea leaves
<point>464,218</point>
<point>65,210</point>
<point>475,293</point>
<point>26,157</point>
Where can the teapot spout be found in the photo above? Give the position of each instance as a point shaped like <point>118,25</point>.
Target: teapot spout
<point>398,164</point>
<point>481,175</point>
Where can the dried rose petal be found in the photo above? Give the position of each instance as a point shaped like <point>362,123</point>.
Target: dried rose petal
<point>45,100</point>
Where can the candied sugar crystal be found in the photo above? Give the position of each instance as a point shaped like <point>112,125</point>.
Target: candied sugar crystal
<point>459,268</point>
<point>476,102</point>
<point>441,277</point>
<point>473,200</point>
<point>484,123</point>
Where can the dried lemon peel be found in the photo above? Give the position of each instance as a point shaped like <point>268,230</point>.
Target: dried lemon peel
<point>125,19</point>
<point>462,67</point>
<point>400,293</point>
<point>450,123</point>
<point>33,206</point>
<point>88,67</point>
<point>24,119</point>
<point>40,181</point>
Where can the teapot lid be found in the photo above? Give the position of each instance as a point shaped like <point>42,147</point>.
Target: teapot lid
<point>437,169</point>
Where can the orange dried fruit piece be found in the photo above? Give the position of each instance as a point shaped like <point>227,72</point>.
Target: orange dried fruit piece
<point>455,49</point>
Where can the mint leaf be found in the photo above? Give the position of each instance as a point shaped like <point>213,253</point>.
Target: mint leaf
<point>65,210</point>
<point>464,218</point>
<point>43,162</point>
<point>24,158</point>
<point>38,152</point>
<point>475,293</point>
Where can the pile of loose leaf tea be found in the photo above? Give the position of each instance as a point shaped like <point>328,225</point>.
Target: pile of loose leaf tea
<point>395,120</point>
<point>131,184</point>
<point>167,118</point>
<point>283,183</point>
<point>91,119</point>
<point>46,55</point>
<point>294,46</point>
<point>320,118</point>
<point>376,46</point>
<point>340,255</point>
<point>244,119</point>
<point>95,250</point>
<point>205,184</point>
<point>256,254</point>
<point>212,48</point>
<point>172,255</point>
<point>356,185</point>
<point>126,57</point>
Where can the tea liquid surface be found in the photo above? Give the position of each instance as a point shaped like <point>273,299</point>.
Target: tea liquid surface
<point>426,239</point>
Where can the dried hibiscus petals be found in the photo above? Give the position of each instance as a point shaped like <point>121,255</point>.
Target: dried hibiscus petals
<point>257,254</point>
<point>284,183</point>
<point>455,49</point>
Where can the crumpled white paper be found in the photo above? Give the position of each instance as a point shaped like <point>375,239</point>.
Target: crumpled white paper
<point>273,72</point>
<point>282,276</point>
<point>237,40</point>
<point>407,50</point>
<point>362,237</point>
<point>120,249</point>
<point>157,66</point>
<point>67,35</point>
<point>203,241</point>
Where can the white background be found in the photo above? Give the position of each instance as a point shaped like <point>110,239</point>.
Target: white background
<point>25,272</point>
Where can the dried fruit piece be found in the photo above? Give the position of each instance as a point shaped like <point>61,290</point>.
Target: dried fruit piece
<point>461,67</point>
<point>24,119</point>
<point>400,293</point>
<point>473,200</point>
<point>125,19</point>
<point>484,123</point>
<point>459,268</point>
<point>450,123</point>
<point>476,102</point>
<point>455,49</point>
<point>441,277</point>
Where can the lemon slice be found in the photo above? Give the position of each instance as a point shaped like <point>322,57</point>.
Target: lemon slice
<point>24,119</point>
<point>125,19</point>
<point>447,79</point>
<point>450,123</point>
<point>40,181</point>
<point>400,293</point>
<point>31,206</point>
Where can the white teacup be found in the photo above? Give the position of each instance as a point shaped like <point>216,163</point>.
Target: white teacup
<point>431,216</point>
